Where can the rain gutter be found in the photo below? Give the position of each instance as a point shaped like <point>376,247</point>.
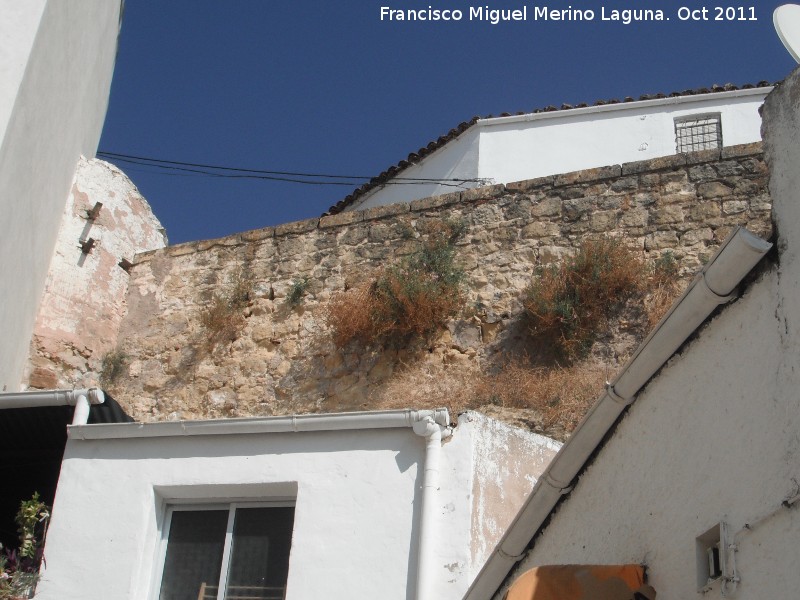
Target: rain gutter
<point>714,285</point>
<point>81,399</point>
<point>294,423</point>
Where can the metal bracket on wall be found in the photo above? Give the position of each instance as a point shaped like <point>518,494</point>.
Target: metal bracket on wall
<point>91,215</point>
<point>87,245</point>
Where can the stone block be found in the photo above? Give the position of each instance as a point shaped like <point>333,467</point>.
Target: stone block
<point>256,235</point>
<point>762,202</point>
<point>703,211</point>
<point>296,227</point>
<point>572,192</point>
<point>182,249</point>
<point>702,173</point>
<point>549,207</point>
<point>486,192</point>
<point>587,175</point>
<point>390,210</point>
<point>703,156</point>
<point>649,180</point>
<point>734,207</point>
<point>729,168</point>
<point>660,240</point>
<point>677,198</point>
<point>604,220</point>
<point>575,209</point>
<point>518,208</point>
<point>343,218</point>
<point>746,187</point>
<point>713,189</point>
<point>696,236</point>
<point>354,235</point>
<point>672,213</point>
<point>380,233</point>
<point>756,166</point>
<point>742,150</point>
<point>42,378</point>
<point>541,229</point>
<point>486,214</point>
<point>637,217</point>
<point>529,185</point>
<point>625,184</point>
<point>612,202</point>
<point>645,199</point>
<point>435,202</point>
<point>654,164</point>
<point>554,254</point>
<point>464,335</point>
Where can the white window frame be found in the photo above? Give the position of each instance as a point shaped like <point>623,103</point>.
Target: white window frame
<point>179,505</point>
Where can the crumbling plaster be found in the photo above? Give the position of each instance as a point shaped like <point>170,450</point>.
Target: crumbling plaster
<point>84,298</point>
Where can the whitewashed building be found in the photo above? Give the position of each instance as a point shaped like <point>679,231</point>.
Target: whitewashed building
<point>554,140</point>
<point>56,63</point>
<point>392,504</point>
<point>689,464</point>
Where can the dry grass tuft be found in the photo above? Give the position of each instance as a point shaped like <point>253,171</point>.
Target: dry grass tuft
<point>430,384</point>
<point>664,287</point>
<point>558,398</point>
<point>223,317</point>
<point>568,305</point>
<point>561,396</point>
<point>408,300</point>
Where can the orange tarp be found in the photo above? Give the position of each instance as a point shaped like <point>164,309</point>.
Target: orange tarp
<point>582,582</point>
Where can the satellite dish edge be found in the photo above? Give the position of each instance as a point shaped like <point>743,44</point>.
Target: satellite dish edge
<point>786,19</point>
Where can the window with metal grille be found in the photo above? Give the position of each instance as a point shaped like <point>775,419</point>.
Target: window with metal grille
<point>226,552</point>
<point>698,132</point>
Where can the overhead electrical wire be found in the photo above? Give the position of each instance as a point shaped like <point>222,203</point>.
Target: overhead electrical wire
<point>181,168</point>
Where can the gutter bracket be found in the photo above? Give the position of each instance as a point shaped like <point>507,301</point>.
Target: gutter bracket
<point>721,299</point>
<point>612,393</point>
<point>561,487</point>
<point>513,557</point>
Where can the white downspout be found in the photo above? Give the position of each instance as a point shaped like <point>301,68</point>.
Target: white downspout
<point>428,428</point>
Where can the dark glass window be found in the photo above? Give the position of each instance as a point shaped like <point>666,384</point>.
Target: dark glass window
<point>243,550</point>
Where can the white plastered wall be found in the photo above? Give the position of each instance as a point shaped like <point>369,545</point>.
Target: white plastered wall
<point>508,149</point>
<point>573,140</point>
<point>355,508</point>
<point>358,498</point>
<point>714,437</point>
<point>59,58</point>
<point>456,160</point>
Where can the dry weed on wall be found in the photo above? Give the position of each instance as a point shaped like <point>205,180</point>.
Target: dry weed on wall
<point>573,306</point>
<point>556,398</point>
<point>406,301</point>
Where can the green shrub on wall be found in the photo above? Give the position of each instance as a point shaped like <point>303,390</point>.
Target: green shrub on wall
<point>408,300</point>
<point>223,316</point>
<point>568,305</point>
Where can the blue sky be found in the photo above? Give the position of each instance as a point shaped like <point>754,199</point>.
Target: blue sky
<point>321,86</point>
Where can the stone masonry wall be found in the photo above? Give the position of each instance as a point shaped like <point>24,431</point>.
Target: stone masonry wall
<point>283,360</point>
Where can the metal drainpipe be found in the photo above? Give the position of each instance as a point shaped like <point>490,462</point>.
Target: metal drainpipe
<point>430,429</point>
